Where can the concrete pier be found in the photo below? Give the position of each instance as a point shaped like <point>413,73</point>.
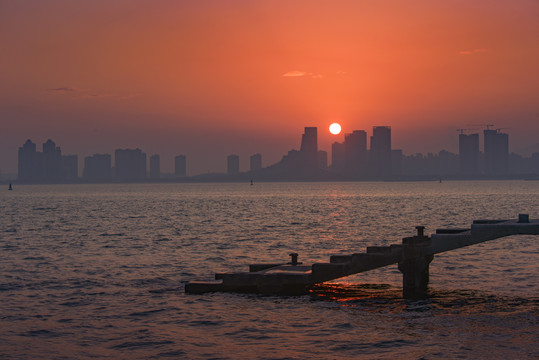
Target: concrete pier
<point>414,265</point>
<point>413,257</point>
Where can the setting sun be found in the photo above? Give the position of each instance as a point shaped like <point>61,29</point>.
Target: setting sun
<point>335,129</point>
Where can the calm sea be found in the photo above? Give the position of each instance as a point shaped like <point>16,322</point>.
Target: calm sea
<point>98,271</point>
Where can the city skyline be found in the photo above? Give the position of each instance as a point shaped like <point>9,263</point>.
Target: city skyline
<point>236,78</point>
<point>352,159</point>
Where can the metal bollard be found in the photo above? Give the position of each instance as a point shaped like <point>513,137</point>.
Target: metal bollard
<point>294,257</point>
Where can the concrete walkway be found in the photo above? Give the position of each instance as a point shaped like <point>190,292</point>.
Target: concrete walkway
<point>413,256</point>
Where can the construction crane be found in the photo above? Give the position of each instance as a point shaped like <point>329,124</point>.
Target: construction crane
<point>488,126</point>
<point>463,130</point>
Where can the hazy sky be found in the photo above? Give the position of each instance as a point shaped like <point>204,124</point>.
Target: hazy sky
<point>211,78</point>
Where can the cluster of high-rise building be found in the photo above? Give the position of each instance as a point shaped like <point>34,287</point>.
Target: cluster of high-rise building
<point>47,166</point>
<point>50,166</point>
<point>350,159</point>
<point>494,161</point>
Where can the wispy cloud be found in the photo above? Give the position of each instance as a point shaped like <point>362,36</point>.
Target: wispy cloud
<point>298,73</point>
<point>474,51</point>
<point>63,89</point>
<point>295,73</point>
<point>89,94</point>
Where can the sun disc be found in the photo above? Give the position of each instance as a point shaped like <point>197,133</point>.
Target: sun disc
<point>335,128</point>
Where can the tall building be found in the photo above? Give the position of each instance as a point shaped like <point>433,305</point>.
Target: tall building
<point>51,162</point>
<point>380,154</point>
<point>155,166</point>
<point>255,162</point>
<point>27,162</point>
<point>496,152</point>
<point>309,148</point>
<point>355,151</point>
<point>70,167</point>
<point>129,164</point>
<point>180,166</point>
<point>337,157</point>
<point>233,164</point>
<point>469,154</point>
<point>97,167</point>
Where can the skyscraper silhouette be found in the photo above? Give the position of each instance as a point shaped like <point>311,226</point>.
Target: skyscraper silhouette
<point>355,151</point>
<point>380,154</point>
<point>51,162</point>
<point>496,152</point>
<point>180,166</point>
<point>129,164</point>
<point>233,164</point>
<point>337,157</point>
<point>255,162</point>
<point>309,148</point>
<point>27,162</point>
<point>97,167</point>
<point>155,166</point>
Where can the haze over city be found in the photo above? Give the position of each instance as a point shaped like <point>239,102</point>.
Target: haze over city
<point>213,78</point>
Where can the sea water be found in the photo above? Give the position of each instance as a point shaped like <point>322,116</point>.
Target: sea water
<point>98,271</point>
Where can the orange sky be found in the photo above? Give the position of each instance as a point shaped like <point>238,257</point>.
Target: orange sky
<point>211,78</point>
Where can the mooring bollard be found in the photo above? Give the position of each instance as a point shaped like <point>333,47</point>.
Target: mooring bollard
<point>294,257</point>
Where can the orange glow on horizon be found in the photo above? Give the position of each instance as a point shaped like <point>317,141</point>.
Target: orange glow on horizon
<point>161,76</point>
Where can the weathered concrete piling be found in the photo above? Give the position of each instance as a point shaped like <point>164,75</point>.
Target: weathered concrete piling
<point>414,264</point>
<point>413,258</point>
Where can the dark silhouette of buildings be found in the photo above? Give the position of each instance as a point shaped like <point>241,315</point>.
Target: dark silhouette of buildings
<point>337,157</point>
<point>350,160</point>
<point>255,162</point>
<point>51,162</point>
<point>380,153</point>
<point>155,166</point>
<point>469,154</point>
<point>304,164</point>
<point>129,164</point>
<point>309,148</point>
<point>496,152</point>
<point>180,166</point>
<point>28,162</point>
<point>48,166</point>
<point>355,152</point>
<point>233,164</point>
<point>97,168</point>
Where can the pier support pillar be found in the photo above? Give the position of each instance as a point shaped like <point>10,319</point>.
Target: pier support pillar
<point>414,265</point>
